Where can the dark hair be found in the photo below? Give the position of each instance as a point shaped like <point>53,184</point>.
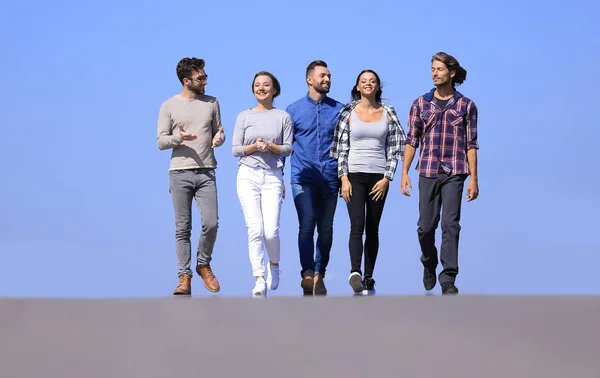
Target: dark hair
<point>312,65</point>
<point>276,84</point>
<point>355,94</point>
<point>187,66</point>
<point>452,64</point>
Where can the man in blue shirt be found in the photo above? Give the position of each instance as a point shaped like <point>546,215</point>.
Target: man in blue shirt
<point>314,180</point>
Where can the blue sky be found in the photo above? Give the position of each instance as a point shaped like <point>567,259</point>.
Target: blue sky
<point>84,204</point>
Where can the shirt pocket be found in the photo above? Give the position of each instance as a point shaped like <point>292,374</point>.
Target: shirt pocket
<point>456,121</point>
<point>428,117</point>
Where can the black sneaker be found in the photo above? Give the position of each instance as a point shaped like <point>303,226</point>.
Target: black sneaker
<point>449,288</point>
<point>429,279</point>
<point>369,284</point>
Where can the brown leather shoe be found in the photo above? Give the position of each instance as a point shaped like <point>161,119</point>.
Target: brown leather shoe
<point>210,281</point>
<point>320,288</point>
<point>307,283</point>
<point>185,285</point>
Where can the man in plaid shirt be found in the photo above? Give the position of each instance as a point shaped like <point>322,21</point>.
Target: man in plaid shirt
<point>444,123</point>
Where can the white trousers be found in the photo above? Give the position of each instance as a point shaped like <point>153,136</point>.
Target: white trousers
<point>260,194</point>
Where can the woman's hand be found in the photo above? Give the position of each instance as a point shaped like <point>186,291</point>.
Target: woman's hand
<point>261,145</point>
<point>378,191</point>
<point>346,189</point>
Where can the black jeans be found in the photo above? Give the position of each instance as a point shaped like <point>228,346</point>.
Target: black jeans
<point>434,193</point>
<point>365,214</point>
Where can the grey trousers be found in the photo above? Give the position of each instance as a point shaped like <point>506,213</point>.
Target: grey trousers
<point>442,194</point>
<point>184,186</point>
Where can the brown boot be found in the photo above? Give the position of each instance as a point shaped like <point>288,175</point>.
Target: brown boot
<point>307,283</point>
<point>210,281</point>
<point>185,285</point>
<point>320,288</point>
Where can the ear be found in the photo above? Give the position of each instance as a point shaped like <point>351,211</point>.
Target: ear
<point>452,73</point>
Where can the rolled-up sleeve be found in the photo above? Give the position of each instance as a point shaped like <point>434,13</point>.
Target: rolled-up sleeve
<point>395,142</point>
<point>415,126</point>
<point>343,150</point>
<point>471,127</point>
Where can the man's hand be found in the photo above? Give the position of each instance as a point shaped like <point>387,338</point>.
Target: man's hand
<point>283,191</point>
<point>472,190</point>
<point>472,187</point>
<point>346,189</point>
<point>405,185</point>
<point>218,138</point>
<point>378,190</point>
<point>184,135</point>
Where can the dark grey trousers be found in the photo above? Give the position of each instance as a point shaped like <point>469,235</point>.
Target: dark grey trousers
<point>442,194</point>
<point>186,185</point>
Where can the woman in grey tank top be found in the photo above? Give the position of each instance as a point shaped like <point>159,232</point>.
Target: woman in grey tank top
<point>368,142</point>
<point>261,135</point>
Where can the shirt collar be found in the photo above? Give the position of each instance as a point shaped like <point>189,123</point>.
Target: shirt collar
<point>313,102</point>
<point>429,96</point>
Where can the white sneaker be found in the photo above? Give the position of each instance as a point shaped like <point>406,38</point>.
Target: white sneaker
<point>355,281</point>
<point>260,288</point>
<point>273,279</point>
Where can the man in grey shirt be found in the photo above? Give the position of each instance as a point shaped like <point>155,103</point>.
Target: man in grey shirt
<point>189,124</point>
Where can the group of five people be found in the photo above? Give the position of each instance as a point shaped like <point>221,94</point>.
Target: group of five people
<point>351,151</point>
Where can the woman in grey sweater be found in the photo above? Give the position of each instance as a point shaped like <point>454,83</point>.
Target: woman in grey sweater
<point>262,134</point>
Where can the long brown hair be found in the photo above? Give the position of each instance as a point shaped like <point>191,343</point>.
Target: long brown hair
<point>452,64</point>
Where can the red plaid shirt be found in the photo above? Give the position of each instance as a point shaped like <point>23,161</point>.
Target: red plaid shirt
<point>445,135</point>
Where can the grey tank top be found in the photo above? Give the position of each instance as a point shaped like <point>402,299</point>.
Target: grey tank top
<point>367,145</point>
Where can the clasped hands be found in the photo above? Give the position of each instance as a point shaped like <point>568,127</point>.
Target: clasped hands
<point>262,145</point>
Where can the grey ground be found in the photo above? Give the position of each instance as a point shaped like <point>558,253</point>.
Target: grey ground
<point>410,336</point>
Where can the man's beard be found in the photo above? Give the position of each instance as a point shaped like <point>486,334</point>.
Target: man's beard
<point>320,89</point>
<point>197,90</point>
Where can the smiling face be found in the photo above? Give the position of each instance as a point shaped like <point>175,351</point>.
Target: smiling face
<point>320,79</point>
<point>263,88</point>
<point>368,84</point>
<point>440,74</point>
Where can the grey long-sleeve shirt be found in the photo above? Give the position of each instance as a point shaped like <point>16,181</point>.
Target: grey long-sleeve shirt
<point>200,116</point>
<point>273,125</point>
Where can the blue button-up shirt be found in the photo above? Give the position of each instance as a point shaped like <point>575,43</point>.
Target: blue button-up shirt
<point>313,127</point>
